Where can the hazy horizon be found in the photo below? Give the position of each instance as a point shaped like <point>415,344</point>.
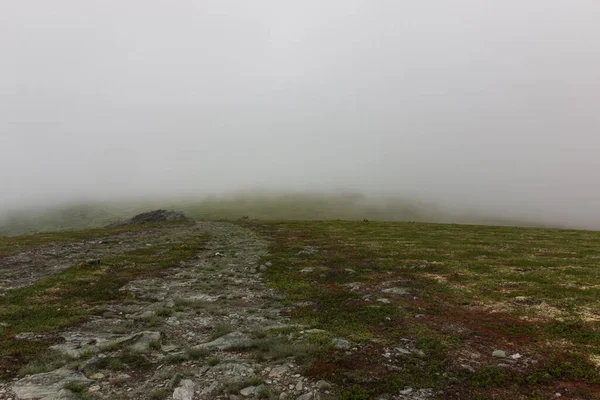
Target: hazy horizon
<point>480,107</point>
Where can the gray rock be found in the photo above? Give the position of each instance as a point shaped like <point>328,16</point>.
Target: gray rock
<point>46,384</point>
<point>120,378</point>
<point>92,363</point>
<point>169,348</point>
<point>406,391</point>
<point>324,385</point>
<point>247,391</point>
<point>308,250</point>
<point>278,371</point>
<point>141,340</point>
<point>499,354</point>
<point>299,386</point>
<point>185,390</point>
<point>94,388</point>
<point>28,336</point>
<point>229,340</point>
<point>98,376</point>
<point>341,344</point>
<point>467,367</point>
<point>211,389</point>
<point>151,217</point>
<point>147,314</point>
<point>421,394</point>
<point>396,290</point>
<point>234,369</point>
<point>63,394</point>
<point>306,396</point>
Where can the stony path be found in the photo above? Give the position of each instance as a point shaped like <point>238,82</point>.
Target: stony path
<point>24,268</point>
<point>211,329</point>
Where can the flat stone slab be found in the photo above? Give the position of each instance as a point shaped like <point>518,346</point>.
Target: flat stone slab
<point>48,384</point>
<point>229,340</point>
<point>396,290</point>
<point>77,343</point>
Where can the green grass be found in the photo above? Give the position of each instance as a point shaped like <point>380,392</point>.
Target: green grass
<point>481,288</point>
<point>159,394</point>
<point>76,387</point>
<point>220,330</point>
<point>49,361</point>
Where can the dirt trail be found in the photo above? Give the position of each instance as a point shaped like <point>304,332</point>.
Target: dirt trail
<point>210,329</point>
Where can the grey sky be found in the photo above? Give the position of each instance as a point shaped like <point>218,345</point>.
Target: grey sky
<point>484,104</point>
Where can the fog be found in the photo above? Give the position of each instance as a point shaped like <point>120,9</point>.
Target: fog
<point>485,106</point>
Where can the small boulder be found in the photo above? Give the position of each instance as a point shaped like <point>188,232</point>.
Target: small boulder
<point>396,290</point>
<point>324,385</point>
<point>185,390</point>
<point>340,343</point>
<point>229,340</point>
<point>499,354</point>
<point>247,391</point>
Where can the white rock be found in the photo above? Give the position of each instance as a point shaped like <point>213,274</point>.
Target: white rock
<point>231,339</point>
<point>185,390</point>
<point>395,290</point>
<point>339,343</point>
<point>406,391</point>
<point>247,391</point>
<point>98,376</point>
<point>499,353</point>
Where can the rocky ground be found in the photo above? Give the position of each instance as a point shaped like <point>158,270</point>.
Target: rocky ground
<point>210,329</point>
<point>182,310</point>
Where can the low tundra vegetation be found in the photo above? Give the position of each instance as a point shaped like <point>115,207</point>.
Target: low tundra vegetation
<point>426,305</point>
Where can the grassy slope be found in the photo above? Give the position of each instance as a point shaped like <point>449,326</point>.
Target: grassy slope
<point>475,289</point>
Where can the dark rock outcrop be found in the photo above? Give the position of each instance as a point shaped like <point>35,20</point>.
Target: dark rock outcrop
<point>152,217</point>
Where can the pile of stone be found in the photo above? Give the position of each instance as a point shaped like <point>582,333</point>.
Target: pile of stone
<point>151,217</point>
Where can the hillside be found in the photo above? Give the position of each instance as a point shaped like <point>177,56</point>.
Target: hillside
<point>300,310</point>
<point>270,206</point>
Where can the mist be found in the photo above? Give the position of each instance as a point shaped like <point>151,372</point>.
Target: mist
<point>479,107</point>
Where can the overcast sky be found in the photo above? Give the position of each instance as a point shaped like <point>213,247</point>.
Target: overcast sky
<point>485,104</point>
